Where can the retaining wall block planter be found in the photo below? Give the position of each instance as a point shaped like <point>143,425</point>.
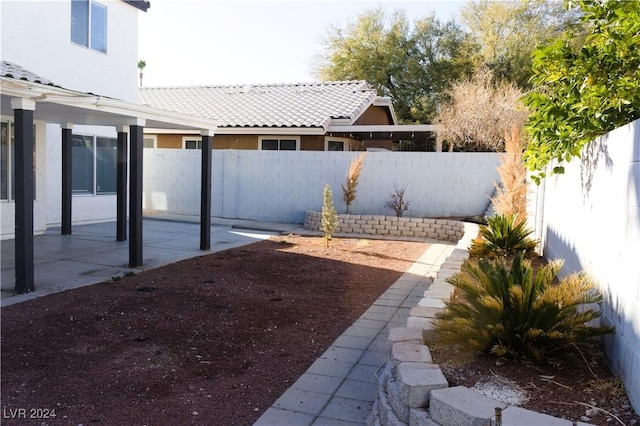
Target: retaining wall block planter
<point>410,227</point>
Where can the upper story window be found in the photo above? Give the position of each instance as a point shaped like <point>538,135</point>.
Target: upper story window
<point>89,24</point>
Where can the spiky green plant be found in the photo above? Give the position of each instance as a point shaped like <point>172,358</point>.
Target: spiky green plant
<point>329,220</point>
<point>503,308</point>
<point>503,236</point>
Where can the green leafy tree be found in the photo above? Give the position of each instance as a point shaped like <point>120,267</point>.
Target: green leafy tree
<point>410,64</point>
<point>583,93</point>
<point>509,31</point>
<point>329,220</point>
<point>505,309</point>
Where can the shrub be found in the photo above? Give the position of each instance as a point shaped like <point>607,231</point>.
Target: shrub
<point>349,189</point>
<point>511,193</point>
<point>329,215</point>
<point>397,203</point>
<point>503,236</point>
<point>503,308</point>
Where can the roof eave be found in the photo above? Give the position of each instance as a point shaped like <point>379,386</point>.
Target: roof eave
<point>142,5</point>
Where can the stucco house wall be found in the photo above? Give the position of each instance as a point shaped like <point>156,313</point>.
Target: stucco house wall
<point>37,37</point>
<point>45,27</point>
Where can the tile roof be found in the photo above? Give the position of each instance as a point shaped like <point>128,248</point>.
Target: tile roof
<point>266,105</point>
<point>11,70</point>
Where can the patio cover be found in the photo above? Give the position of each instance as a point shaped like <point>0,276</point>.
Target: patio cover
<point>31,100</point>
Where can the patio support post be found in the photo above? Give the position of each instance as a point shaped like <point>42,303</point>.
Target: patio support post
<point>24,143</point>
<point>67,183</point>
<point>205,191</point>
<point>135,193</point>
<point>121,186</point>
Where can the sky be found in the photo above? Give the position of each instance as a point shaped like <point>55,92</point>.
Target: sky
<point>221,42</point>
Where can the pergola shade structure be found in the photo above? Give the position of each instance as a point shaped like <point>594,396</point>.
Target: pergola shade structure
<point>33,99</point>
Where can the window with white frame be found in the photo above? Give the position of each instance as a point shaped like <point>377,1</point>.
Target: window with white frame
<point>269,143</point>
<point>191,142</point>
<point>336,144</point>
<point>94,164</point>
<point>89,24</point>
<point>8,161</point>
<point>150,141</point>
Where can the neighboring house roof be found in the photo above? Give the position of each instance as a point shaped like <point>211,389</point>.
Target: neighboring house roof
<point>267,105</point>
<point>11,70</point>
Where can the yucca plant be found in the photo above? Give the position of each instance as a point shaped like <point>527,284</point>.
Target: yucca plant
<point>503,236</point>
<point>503,308</point>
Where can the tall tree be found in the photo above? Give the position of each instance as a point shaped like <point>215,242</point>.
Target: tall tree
<point>412,64</point>
<point>141,66</point>
<point>583,93</point>
<point>508,32</point>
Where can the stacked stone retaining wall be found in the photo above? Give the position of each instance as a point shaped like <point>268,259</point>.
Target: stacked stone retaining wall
<point>416,227</point>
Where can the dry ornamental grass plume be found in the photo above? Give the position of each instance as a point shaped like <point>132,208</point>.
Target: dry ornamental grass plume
<point>511,193</point>
<point>479,112</point>
<point>349,190</point>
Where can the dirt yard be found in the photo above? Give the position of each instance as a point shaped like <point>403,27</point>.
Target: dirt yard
<point>213,340</point>
<point>216,339</point>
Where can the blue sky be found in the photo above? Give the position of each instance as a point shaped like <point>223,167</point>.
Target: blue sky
<point>195,42</point>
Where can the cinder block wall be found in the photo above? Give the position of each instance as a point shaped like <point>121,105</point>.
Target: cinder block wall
<point>411,227</point>
<point>590,216</point>
<point>283,186</point>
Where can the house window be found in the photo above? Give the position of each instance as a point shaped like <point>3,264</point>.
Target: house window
<point>8,162</point>
<point>150,142</point>
<point>335,146</point>
<point>279,144</point>
<point>190,142</point>
<point>89,24</point>
<point>94,164</point>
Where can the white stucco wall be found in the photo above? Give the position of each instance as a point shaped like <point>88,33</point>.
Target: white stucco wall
<point>590,216</point>
<point>8,208</point>
<point>282,186</point>
<point>37,36</point>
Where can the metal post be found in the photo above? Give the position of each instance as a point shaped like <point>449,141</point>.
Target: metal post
<point>24,141</point>
<point>135,196</point>
<point>67,176</point>
<point>121,187</point>
<point>205,193</point>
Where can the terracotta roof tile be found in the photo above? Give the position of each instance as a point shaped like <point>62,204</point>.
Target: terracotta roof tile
<point>276,105</point>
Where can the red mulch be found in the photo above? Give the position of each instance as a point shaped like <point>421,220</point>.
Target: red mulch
<point>213,340</point>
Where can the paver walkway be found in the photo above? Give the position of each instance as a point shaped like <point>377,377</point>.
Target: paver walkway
<point>339,388</point>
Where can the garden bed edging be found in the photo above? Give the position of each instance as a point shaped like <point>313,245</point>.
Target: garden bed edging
<point>416,227</point>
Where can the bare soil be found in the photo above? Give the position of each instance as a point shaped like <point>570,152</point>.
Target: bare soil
<point>213,340</point>
<point>216,339</point>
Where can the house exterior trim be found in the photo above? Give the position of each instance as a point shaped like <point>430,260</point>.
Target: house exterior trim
<point>142,5</point>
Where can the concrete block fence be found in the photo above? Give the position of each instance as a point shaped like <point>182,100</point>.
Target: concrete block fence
<point>590,217</point>
<point>274,186</point>
<point>439,229</point>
